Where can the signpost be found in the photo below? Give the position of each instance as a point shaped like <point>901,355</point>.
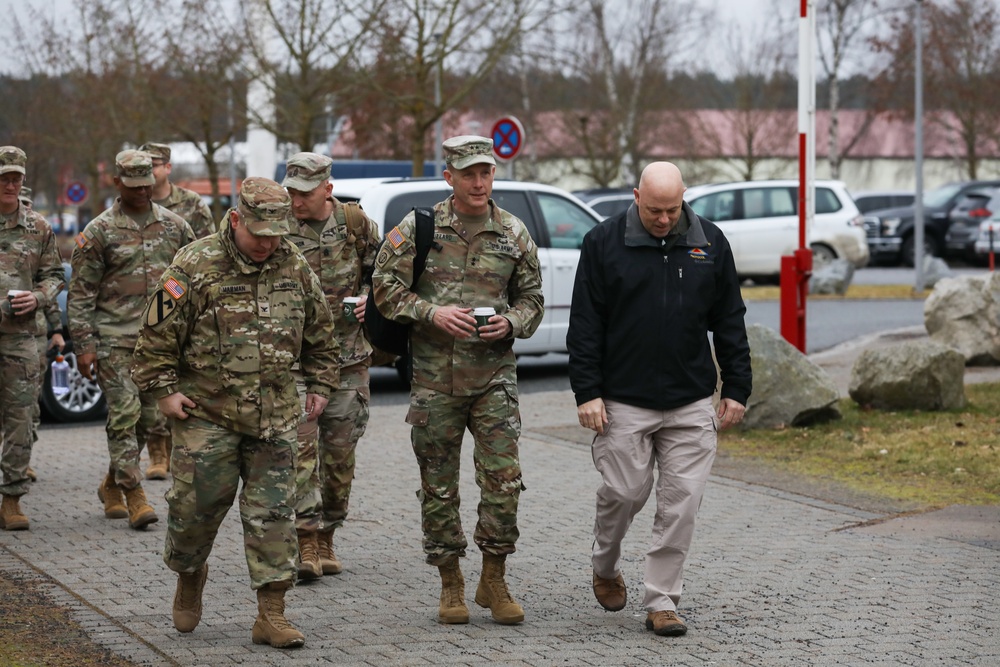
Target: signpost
<point>508,140</point>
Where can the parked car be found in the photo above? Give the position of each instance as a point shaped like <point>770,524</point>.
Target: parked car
<point>891,231</point>
<point>760,220</point>
<point>556,220</point>
<point>876,200</point>
<point>85,400</point>
<point>988,234</point>
<point>606,201</point>
<point>963,227</point>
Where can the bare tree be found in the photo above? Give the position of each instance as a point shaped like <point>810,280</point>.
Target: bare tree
<point>961,67</point>
<point>300,49</point>
<point>460,41</point>
<point>843,26</point>
<point>623,54</point>
<point>200,81</point>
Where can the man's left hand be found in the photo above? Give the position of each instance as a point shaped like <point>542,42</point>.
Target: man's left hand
<point>730,413</point>
<point>359,310</point>
<point>315,405</point>
<point>497,327</point>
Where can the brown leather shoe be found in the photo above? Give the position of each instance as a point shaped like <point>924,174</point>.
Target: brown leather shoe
<point>665,623</point>
<point>611,593</point>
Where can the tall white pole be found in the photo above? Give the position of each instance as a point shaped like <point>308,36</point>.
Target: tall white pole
<point>439,123</point>
<point>262,144</point>
<point>918,150</point>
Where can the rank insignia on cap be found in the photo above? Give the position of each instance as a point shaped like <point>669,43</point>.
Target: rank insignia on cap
<point>396,237</point>
<point>174,288</point>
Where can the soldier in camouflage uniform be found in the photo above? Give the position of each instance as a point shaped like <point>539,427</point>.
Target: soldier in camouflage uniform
<point>340,243</point>
<point>29,264</point>
<point>229,321</point>
<point>118,259</point>
<point>190,206</point>
<point>49,322</point>
<point>464,376</point>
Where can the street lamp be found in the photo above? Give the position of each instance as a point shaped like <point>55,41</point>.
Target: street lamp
<point>438,126</point>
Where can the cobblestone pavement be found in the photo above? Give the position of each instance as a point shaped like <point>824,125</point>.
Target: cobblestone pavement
<point>772,578</point>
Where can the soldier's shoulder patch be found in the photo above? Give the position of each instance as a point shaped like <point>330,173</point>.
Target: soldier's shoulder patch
<point>82,240</point>
<point>383,257</point>
<point>395,237</point>
<point>174,288</point>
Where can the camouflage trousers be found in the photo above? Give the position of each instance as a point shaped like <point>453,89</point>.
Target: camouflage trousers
<point>326,453</point>
<point>438,423</point>
<point>42,342</point>
<point>131,414</point>
<point>208,462</point>
<point>18,391</point>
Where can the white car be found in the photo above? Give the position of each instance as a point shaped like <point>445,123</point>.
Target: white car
<point>760,220</point>
<point>556,220</point>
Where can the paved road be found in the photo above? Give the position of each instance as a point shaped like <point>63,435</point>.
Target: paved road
<point>774,579</point>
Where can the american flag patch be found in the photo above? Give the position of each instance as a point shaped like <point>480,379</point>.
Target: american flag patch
<point>81,240</point>
<point>395,237</point>
<point>174,288</point>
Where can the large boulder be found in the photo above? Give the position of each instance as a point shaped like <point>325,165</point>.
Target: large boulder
<point>831,278</point>
<point>935,270</point>
<point>788,389</point>
<point>918,375</point>
<point>964,313</point>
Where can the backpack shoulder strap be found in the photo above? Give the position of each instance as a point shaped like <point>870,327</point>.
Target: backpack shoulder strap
<point>424,241</point>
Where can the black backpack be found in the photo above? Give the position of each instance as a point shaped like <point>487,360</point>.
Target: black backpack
<point>386,334</point>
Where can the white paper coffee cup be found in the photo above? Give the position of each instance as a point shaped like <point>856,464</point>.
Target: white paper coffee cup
<point>483,315</point>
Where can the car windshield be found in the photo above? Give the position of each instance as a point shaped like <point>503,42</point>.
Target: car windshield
<point>940,196</point>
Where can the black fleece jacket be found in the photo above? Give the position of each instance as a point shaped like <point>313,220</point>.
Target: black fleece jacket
<point>642,311</point>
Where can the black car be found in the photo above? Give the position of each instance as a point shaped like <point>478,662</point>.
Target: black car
<point>973,208</point>
<point>891,231</point>
<point>85,400</point>
<point>606,201</point>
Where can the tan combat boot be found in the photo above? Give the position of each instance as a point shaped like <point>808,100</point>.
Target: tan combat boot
<point>158,463</point>
<point>187,598</point>
<point>271,627</point>
<point>31,474</point>
<point>111,495</point>
<point>309,567</point>
<point>140,514</point>
<point>11,516</point>
<point>493,592</point>
<point>327,558</point>
<point>452,609</point>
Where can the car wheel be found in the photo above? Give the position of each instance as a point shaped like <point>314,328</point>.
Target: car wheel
<point>83,402</point>
<point>822,254</point>
<point>908,250</point>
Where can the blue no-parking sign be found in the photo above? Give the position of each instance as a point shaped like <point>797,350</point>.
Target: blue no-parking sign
<point>76,192</point>
<point>508,138</point>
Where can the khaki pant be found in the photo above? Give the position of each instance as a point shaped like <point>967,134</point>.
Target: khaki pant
<point>681,444</point>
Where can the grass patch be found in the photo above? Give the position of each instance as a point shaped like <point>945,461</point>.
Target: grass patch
<point>930,458</point>
<point>773,293</point>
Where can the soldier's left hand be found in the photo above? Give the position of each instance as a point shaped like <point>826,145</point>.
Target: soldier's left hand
<point>457,321</point>
<point>497,327</point>
<point>57,341</point>
<point>24,303</point>
<point>359,310</point>
<point>315,405</point>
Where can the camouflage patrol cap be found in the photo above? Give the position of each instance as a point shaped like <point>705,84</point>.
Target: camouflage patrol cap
<point>12,158</point>
<point>158,151</point>
<point>25,195</point>
<point>467,150</point>
<point>135,168</point>
<point>264,207</point>
<point>307,171</point>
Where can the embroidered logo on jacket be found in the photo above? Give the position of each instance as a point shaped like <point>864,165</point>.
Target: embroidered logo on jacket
<point>699,254</point>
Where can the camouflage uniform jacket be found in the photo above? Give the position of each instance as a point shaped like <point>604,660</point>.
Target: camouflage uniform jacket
<point>340,258</point>
<point>116,266</point>
<point>226,332</point>
<point>190,206</point>
<point>497,267</point>
<point>29,260</point>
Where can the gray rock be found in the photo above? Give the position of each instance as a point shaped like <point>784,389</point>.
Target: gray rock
<point>935,270</point>
<point>918,375</point>
<point>788,389</point>
<point>831,278</point>
<point>964,313</point>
